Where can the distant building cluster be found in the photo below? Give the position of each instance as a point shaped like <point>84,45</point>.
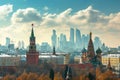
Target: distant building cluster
<point>76,42</point>
<point>87,56</point>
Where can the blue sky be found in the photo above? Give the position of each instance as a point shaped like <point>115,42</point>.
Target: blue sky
<point>60,5</point>
<point>100,16</point>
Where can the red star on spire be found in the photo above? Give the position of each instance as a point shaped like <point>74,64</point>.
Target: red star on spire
<point>32,24</point>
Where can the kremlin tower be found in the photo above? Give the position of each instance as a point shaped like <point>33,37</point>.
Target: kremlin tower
<point>91,52</point>
<point>89,56</point>
<point>32,54</point>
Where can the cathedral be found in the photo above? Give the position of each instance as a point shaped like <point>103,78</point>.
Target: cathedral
<point>32,54</point>
<point>89,56</point>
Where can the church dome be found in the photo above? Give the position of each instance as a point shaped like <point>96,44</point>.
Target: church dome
<point>84,50</point>
<point>98,51</point>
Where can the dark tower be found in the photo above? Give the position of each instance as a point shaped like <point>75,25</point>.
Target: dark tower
<point>54,52</point>
<point>32,54</point>
<point>91,52</point>
<point>109,65</point>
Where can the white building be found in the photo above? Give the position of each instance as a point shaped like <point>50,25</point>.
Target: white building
<point>78,59</point>
<point>8,60</point>
<point>114,60</point>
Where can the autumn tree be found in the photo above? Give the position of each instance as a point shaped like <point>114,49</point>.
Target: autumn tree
<point>23,76</point>
<point>44,77</point>
<point>32,76</point>
<point>58,76</point>
<point>9,77</point>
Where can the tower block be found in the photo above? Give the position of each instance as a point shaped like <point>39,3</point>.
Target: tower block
<point>32,54</point>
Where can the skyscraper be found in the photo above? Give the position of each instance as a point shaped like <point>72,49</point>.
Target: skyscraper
<point>97,43</point>
<point>78,39</point>
<point>32,54</point>
<point>62,41</point>
<point>19,45</point>
<point>85,39</point>
<point>54,39</point>
<point>22,44</point>
<point>7,41</point>
<point>72,35</point>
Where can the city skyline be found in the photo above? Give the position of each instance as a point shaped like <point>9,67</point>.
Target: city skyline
<point>16,20</point>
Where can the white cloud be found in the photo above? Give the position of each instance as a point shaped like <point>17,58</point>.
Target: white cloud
<point>102,25</point>
<point>26,15</point>
<point>87,19</point>
<point>5,10</point>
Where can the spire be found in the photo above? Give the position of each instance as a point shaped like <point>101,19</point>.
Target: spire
<point>90,35</point>
<point>32,32</point>
<point>91,52</point>
<point>109,65</point>
<point>54,52</point>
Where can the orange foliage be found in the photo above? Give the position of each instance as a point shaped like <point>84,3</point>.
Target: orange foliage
<point>23,76</point>
<point>44,77</point>
<point>106,75</point>
<point>9,77</point>
<point>32,76</point>
<point>58,76</point>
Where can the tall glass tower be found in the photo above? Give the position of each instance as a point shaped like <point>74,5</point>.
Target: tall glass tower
<point>71,35</point>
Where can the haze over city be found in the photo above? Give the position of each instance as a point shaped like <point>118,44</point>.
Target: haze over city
<point>100,17</point>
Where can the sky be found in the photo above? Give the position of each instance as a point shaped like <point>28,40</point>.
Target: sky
<point>102,17</point>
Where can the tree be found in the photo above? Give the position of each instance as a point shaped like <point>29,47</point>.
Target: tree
<point>23,76</point>
<point>51,76</point>
<point>91,76</point>
<point>58,76</point>
<point>65,71</point>
<point>44,77</point>
<point>9,77</point>
<point>32,76</point>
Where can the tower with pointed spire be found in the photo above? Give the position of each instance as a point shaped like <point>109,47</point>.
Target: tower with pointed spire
<point>32,54</point>
<point>91,52</point>
<point>54,52</point>
<point>109,65</point>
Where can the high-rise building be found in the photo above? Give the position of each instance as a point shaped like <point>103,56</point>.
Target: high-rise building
<point>54,39</point>
<point>7,41</point>
<point>45,47</point>
<point>85,39</point>
<point>32,54</point>
<point>71,35</point>
<point>22,44</point>
<point>11,46</point>
<point>78,39</point>
<point>19,45</point>
<point>97,43</point>
<point>62,42</point>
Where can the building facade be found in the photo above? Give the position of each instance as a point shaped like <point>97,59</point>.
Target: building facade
<point>9,61</point>
<point>114,60</point>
